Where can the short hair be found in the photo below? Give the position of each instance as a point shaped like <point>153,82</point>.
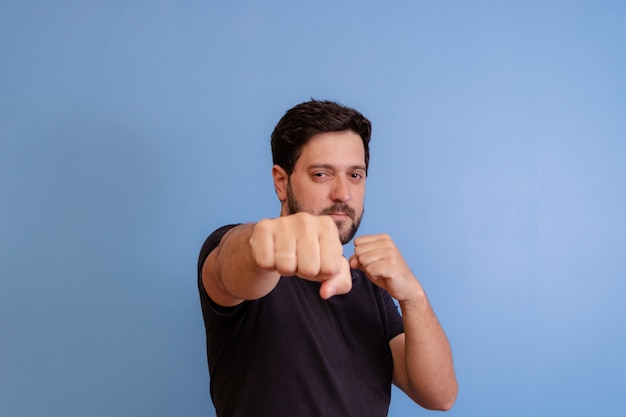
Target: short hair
<point>302,122</point>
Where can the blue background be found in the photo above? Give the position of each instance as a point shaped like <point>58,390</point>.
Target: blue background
<point>131,129</point>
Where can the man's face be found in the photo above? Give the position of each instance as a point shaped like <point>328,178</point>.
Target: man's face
<point>329,179</point>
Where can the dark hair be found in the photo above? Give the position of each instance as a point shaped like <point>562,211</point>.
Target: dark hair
<point>311,118</point>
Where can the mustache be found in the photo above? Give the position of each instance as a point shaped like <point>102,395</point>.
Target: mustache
<point>340,208</point>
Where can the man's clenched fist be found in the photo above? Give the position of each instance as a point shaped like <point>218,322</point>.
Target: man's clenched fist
<point>304,245</point>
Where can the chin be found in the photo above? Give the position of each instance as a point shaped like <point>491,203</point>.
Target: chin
<point>346,236</point>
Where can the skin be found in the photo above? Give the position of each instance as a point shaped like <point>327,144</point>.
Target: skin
<point>321,202</point>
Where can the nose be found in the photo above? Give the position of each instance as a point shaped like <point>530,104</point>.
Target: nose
<point>341,190</point>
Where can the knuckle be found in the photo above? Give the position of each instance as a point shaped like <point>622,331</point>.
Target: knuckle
<point>286,263</point>
<point>263,262</point>
<point>308,270</point>
<point>330,267</point>
<point>263,225</point>
<point>286,270</point>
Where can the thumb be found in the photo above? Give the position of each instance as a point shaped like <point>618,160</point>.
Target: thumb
<point>338,284</point>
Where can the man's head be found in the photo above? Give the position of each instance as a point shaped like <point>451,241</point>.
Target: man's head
<point>311,118</point>
<point>321,155</point>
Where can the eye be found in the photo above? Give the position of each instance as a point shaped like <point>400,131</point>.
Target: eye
<point>356,175</point>
<point>321,176</point>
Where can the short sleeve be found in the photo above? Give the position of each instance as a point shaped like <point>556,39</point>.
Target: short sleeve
<point>209,245</point>
<point>395,325</point>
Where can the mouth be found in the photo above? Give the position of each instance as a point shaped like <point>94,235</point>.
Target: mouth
<point>340,212</point>
<point>340,215</point>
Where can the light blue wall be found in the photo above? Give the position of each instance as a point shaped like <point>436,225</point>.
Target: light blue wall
<point>129,130</point>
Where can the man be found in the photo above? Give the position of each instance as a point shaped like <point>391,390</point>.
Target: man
<point>293,327</point>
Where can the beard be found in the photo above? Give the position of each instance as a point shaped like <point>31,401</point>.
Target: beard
<point>345,236</point>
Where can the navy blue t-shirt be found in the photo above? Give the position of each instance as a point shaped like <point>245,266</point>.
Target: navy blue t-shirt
<point>291,353</point>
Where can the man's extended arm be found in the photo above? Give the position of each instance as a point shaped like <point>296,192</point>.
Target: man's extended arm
<point>423,366</point>
<point>250,258</point>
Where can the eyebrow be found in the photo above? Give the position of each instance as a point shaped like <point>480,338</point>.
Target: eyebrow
<point>332,167</point>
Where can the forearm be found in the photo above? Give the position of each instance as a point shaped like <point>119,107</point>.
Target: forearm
<point>235,272</point>
<point>431,380</point>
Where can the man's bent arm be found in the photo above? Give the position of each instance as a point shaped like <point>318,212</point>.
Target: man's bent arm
<point>422,359</point>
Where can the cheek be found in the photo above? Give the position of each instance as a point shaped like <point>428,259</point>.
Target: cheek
<point>318,203</point>
<point>358,194</point>
<point>312,197</point>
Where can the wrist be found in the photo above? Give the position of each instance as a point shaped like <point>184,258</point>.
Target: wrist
<point>417,298</point>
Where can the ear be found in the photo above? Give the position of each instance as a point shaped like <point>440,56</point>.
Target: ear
<point>280,182</point>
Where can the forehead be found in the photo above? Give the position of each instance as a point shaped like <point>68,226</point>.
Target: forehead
<point>336,148</point>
